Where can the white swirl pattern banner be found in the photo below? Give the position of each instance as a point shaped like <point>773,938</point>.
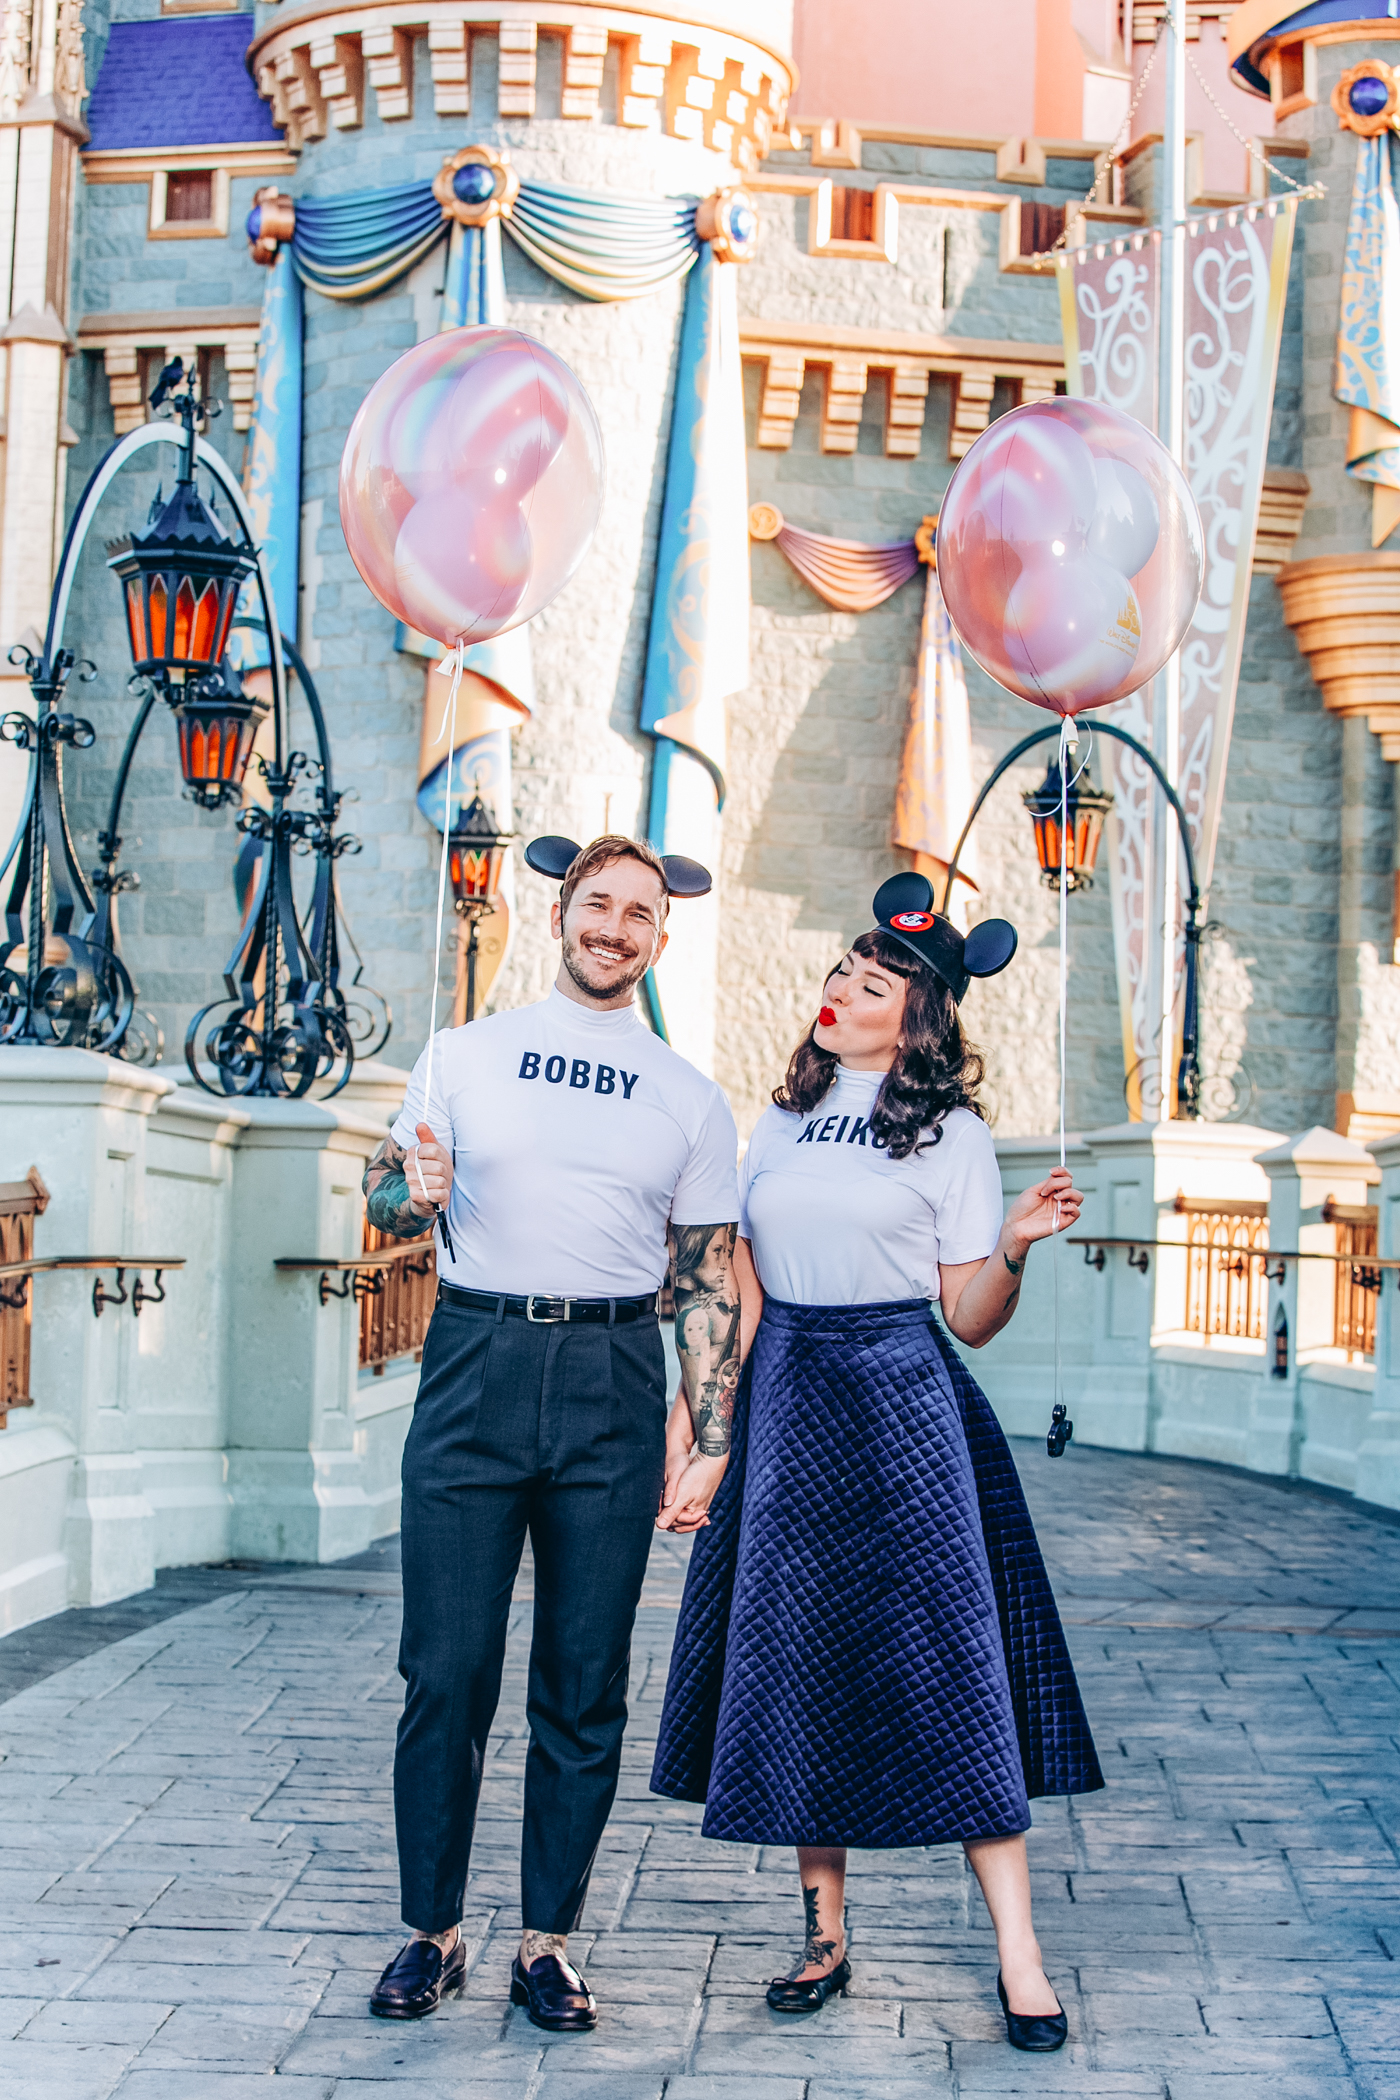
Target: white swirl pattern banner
<point>1236,288</point>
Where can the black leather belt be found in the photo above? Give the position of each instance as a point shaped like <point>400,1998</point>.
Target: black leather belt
<point>544,1311</point>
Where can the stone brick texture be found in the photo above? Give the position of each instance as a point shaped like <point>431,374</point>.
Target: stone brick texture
<point>815,741</point>
<point>201,1881</point>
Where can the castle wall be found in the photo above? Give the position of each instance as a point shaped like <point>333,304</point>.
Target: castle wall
<point>815,741</point>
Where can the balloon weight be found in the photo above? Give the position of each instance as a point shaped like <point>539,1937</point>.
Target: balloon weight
<point>471,483</point>
<point>1070,554</point>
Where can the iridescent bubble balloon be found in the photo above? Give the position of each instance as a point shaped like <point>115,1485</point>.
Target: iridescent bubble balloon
<point>1070,554</point>
<point>471,483</point>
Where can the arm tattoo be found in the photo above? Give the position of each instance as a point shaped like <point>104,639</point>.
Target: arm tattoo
<point>387,1201</point>
<point>1014,1266</point>
<point>706,1295</point>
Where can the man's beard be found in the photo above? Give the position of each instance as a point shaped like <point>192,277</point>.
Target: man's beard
<point>581,968</point>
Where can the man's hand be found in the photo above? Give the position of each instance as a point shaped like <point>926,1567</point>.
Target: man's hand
<point>429,1172</point>
<point>393,1200</point>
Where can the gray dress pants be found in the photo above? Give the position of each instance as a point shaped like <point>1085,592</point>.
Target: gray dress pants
<point>558,1430</point>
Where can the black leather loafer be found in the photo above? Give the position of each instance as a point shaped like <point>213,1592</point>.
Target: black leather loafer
<point>554,1995</point>
<point>1038,2031</point>
<point>415,1980</point>
<point>810,1996</point>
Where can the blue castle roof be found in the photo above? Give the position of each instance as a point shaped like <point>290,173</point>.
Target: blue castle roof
<point>178,83</point>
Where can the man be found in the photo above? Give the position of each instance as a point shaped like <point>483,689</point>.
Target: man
<point>580,1142</point>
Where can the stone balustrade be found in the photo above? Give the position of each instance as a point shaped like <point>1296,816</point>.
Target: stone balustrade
<point>1284,1400</point>
<point>231,1419</point>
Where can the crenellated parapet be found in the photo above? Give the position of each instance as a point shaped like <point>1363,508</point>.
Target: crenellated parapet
<point>723,86</point>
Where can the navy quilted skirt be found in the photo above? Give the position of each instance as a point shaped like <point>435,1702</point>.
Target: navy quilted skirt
<point>868,1651</point>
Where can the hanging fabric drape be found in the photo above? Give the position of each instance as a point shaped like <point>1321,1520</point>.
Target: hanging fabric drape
<point>848,574</point>
<point>698,644</point>
<point>1368,333</point>
<point>934,792</point>
<point>604,246</point>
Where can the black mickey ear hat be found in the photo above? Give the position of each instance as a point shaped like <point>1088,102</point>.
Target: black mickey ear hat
<point>904,908</point>
<point>554,856</point>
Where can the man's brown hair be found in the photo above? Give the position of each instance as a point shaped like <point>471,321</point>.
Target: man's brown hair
<point>601,854</point>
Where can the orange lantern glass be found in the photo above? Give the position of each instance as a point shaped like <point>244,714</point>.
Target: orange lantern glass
<point>182,580</point>
<point>476,855</point>
<point>217,722</point>
<point>1085,809</point>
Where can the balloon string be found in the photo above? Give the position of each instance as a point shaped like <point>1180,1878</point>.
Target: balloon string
<point>1068,735</point>
<point>449,723</point>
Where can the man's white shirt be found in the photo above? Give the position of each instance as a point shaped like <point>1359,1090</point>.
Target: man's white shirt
<point>576,1135</point>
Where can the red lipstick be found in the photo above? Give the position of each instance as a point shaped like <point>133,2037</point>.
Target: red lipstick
<point>827,1017</point>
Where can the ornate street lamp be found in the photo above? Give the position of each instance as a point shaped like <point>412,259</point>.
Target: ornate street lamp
<point>1083,845</point>
<point>1085,809</point>
<point>286,1020</point>
<point>476,858</point>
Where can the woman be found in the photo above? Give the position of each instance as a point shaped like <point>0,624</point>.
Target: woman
<point>868,1652</point>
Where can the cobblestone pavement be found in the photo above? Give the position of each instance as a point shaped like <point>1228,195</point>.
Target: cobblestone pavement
<point>198,1885</point>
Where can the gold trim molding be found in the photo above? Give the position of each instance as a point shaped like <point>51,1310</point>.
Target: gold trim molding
<point>1345,611</point>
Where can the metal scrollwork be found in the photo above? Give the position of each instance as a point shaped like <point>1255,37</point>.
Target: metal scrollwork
<point>291,1015</point>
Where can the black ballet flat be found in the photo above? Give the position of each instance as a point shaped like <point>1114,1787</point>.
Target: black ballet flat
<point>1038,2031</point>
<point>785,1996</point>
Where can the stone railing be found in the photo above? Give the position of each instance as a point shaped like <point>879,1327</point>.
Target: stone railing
<point>231,1419</point>
<point>708,84</point>
<point>1284,1388</point>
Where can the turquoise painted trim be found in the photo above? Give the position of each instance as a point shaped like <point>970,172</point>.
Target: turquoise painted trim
<point>475,291</point>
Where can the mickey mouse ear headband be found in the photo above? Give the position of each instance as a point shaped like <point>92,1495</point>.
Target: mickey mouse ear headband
<point>904,908</point>
<point>554,856</point>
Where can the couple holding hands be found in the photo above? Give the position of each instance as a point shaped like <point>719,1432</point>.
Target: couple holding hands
<point>868,1652</point>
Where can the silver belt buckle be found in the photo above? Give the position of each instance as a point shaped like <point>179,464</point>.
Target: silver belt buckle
<point>545,1319</point>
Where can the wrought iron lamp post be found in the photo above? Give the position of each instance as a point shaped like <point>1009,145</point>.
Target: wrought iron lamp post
<point>476,855</point>
<point>1086,808</point>
<point>286,1020</point>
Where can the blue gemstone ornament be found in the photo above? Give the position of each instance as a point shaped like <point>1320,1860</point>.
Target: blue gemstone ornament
<point>473,182</point>
<point>255,223</point>
<point>1368,95</point>
<point>742,224</point>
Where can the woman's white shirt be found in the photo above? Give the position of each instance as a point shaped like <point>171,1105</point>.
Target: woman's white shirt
<point>833,1220</point>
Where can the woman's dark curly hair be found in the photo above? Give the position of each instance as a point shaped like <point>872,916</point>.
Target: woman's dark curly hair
<point>934,1069</point>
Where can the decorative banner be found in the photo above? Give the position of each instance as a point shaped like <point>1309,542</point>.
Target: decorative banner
<point>934,792</point>
<point>698,646</point>
<point>1236,286</point>
<point>272,476</point>
<point>1368,335</point>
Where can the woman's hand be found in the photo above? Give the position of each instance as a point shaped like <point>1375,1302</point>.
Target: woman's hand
<point>1050,1207</point>
<point>688,1496</point>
